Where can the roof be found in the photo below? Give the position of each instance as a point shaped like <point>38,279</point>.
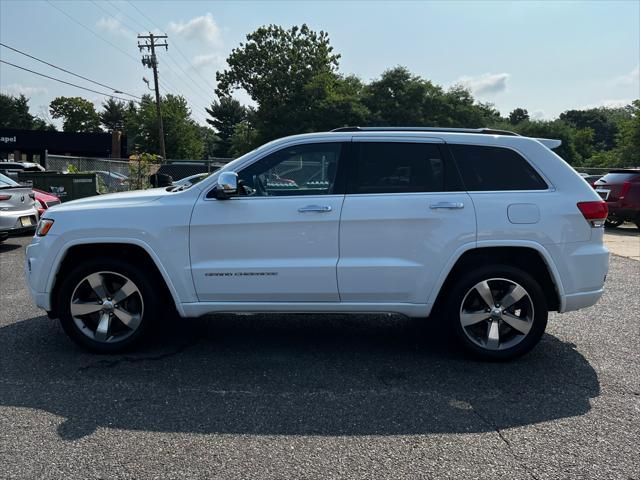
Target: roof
<point>485,131</point>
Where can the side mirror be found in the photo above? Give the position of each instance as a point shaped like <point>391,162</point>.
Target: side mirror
<point>227,185</point>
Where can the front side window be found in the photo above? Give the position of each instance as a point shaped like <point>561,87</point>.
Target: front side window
<point>309,169</point>
<point>398,167</point>
<point>495,168</point>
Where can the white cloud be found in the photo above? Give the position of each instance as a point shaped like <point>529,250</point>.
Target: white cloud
<point>202,62</point>
<point>631,78</point>
<point>17,89</point>
<point>485,84</point>
<point>203,29</point>
<point>113,26</point>
<point>539,115</point>
<point>608,103</point>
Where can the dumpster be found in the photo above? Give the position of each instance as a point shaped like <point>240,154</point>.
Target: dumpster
<point>66,186</point>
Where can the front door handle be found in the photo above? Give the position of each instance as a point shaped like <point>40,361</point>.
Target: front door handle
<point>315,208</point>
<point>451,205</point>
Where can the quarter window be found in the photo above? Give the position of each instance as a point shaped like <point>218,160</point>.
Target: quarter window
<point>309,169</point>
<point>494,168</point>
<point>398,167</point>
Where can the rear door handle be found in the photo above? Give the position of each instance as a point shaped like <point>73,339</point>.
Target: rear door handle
<point>451,205</point>
<point>315,208</point>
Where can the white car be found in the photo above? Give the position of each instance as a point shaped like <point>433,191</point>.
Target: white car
<point>482,229</point>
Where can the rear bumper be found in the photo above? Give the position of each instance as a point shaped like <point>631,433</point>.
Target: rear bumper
<point>582,267</point>
<point>576,301</point>
<point>623,213</point>
<point>10,220</point>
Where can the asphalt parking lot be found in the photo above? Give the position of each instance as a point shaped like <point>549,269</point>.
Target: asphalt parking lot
<point>320,397</point>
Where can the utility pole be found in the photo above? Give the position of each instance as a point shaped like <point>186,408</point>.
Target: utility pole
<point>151,61</point>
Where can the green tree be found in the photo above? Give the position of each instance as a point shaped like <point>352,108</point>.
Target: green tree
<point>78,114</point>
<point>462,110</point>
<point>14,113</point>
<point>628,139</point>
<point>334,101</point>
<point>112,116</point>
<point>583,140</point>
<point>276,67</point>
<point>604,128</point>
<point>399,98</point>
<point>182,133</point>
<point>225,114</point>
<point>518,115</point>
<point>244,139</point>
<point>556,129</point>
<point>210,142</point>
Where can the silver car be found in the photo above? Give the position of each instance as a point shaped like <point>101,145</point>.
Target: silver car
<point>18,211</point>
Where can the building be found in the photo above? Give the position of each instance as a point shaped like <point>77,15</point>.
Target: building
<point>34,145</point>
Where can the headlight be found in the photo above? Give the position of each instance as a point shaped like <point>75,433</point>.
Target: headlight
<point>44,226</point>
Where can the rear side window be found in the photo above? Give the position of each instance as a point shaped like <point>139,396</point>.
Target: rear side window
<point>388,167</point>
<point>494,168</point>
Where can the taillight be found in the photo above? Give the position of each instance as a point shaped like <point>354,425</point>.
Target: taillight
<point>4,197</point>
<point>594,212</point>
<point>625,189</point>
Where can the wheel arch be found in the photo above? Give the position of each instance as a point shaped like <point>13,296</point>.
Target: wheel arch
<point>528,256</point>
<point>133,250</point>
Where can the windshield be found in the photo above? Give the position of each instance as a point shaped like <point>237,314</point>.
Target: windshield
<point>7,182</point>
<point>231,165</point>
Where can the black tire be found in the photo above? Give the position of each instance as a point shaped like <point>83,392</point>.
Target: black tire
<point>613,222</point>
<point>148,291</point>
<point>466,282</point>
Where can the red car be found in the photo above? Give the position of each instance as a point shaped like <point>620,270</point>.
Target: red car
<point>44,200</point>
<point>621,190</point>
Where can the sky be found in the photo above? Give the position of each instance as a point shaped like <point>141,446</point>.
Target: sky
<point>545,56</point>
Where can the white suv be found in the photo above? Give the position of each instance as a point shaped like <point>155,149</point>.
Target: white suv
<point>482,229</point>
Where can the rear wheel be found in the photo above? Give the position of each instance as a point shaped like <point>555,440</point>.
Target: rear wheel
<point>106,305</point>
<point>498,312</point>
<point>613,222</point>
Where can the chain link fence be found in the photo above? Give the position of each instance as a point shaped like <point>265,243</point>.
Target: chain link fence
<point>119,175</point>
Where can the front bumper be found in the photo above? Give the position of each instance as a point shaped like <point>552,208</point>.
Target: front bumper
<point>37,269</point>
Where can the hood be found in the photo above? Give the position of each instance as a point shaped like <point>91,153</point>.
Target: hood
<point>120,199</point>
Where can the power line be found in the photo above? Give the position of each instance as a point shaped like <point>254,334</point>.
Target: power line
<point>91,31</point>
<point>198,94</point>
<point>115,90</point>
<point>65,82</point>
<point>174,45</point>
<point>198,86</point>
<point>151,61</point>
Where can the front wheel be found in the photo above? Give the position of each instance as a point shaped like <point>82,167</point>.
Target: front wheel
<point>498,312</point>
<point>106,305</point>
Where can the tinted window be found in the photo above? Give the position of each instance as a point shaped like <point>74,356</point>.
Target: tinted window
<point>299,170</point>
<point>613,178</point>
<point>6,181</point>
<point>398,167</point>
<point>495,168</point>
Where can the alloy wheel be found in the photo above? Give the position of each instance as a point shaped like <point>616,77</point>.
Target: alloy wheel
<point>497,314</point>
<point>107,307</point>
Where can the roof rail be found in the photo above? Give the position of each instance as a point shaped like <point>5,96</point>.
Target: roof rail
<point>485,131</point>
